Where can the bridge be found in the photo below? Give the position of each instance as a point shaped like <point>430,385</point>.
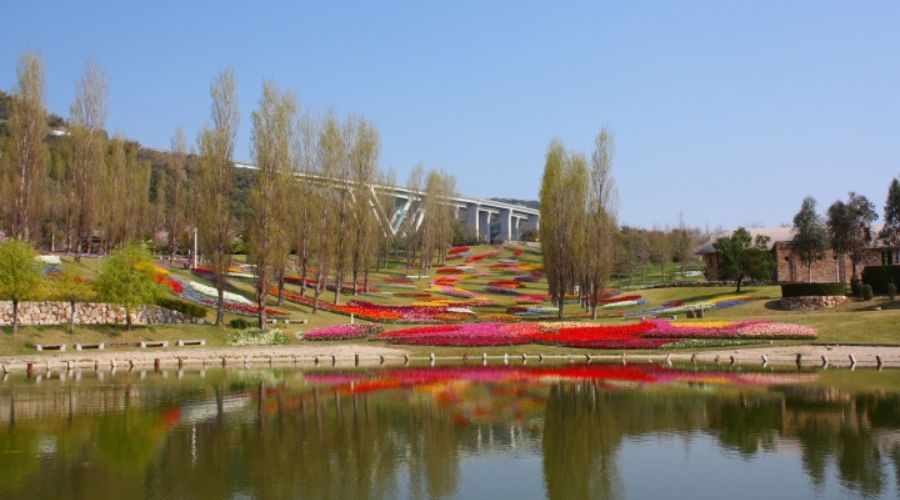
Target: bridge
<point>488,220</point>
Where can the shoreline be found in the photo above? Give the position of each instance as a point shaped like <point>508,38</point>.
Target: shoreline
<point>350,355</point>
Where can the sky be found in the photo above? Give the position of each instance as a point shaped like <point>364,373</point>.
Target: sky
<point>728,113</point>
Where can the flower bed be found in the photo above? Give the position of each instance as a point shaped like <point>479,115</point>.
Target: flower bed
<point>457,250</point>
<point>466,335</point>
<point>199,293</point>
<point>340,332</point>
<point>386,314</point>
<point>531,298</point>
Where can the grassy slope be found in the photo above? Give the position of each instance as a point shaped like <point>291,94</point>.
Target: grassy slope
<point>850,323</point>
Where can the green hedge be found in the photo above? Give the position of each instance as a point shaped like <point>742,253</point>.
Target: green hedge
<point>880,276</point>
<point>812,289</point>
<point>191,309</point>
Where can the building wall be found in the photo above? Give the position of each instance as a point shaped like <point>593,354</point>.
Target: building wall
<point>789,267</point>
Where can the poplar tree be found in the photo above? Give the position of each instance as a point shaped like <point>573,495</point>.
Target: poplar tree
<point>363,172</point>
<point>28,157</point>
<point>890,233</point>
<point>335,166</point>
<point>307,197</point>
<point>563,199</point>
<point>600,222</point>
<point>411,226</point>
<point>215,183</point>
<point>177,198</point>
<point>88,139</point>
<point>810,235</point>
<point>269,236</point>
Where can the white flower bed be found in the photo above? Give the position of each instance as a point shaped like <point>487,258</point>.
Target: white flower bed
<point>212,292</point>
<point>53,260</point>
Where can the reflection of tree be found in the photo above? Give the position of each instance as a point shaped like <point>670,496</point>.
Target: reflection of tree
<point>581,437</point>
<point>747,423</point>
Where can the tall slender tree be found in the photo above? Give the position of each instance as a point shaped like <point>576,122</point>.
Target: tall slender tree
<point>177,198</point>
<point>363,173</point>
<point>810,235</point>
<point>215,182</point>
<point>269,236</point>
<point>890,232</point>
<point>88,115</point>
<point>600,222</point>
<point>28,157</point>
<point>850,228</point>
<point>335,165</point>
<point>307,199</point>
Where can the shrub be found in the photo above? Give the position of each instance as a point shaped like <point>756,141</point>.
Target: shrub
<point>880,276</point>
<point>892,291</point>
<point>239,324</point>
<point>856,287</point>
<point>192,310</point>
<point>812,289</point>
<point>255,336</point>
<point>867,292</point>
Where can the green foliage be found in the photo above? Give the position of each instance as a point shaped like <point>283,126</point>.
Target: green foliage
<point>256,336</point>
<point>880,277</point>
<point>890,233</point>
<point>127,278</point>
<point>20,277</point>
<point>813,289</point>
<point>867,292</point>
<point>239,324</point>
<point>810,234</point>
<point>188,308</point>
<point>850,227</point>
<point>745,257</point>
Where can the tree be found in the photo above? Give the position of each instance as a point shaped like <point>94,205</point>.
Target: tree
<point>810,235</point>
<point>683,241</point>
<point>269,237</point>
<point>363,172</point>
<point>20,278</point>
<point>27,151</point>
<point>127,278</point>
<point>414,205</point>
<point>850,228</point>
<point>71,287</point>
<point>307,197</point>
<point>744,256</point>
<point>88,140</point>
<point>890,233</point>
<point>600,222</point>
<point>335,165</point>
<point>563,198</point>
<point>175,210</point>
<point>215,183</point>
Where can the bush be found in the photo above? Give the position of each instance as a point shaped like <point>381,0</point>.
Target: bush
<point>892,291</point>
<point>812,289</point>
<point>255,336</point>
<point>867,292</point>
<point>239,324</point>
<point>856,287</point>
<point>880,276</point>
<point>192,310</point>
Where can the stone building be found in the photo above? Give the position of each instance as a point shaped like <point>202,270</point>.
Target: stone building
<point>789,267</point>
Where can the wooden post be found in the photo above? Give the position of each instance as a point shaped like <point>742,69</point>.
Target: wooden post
<point>505,358</point>
<point>68,365</point>
<point>799,360</point>
<point>877,362</point>
<point>381,359</point>
<point>29,369</point>
<point>465,359</point>
<point>223,361</point>
<point>180,363</point>
<point>356,359</point>
<point>694,358</point>
<point>732,360</point>
<point>852,361</point>
<point>333,360</point>
<point>669,359</point>
<point>406,359</point>
<point>765,360</point>
<point>540,357</point>
<point>824,361</point>
<point>316,360</point>
<point>624,362</point>
<point>156,364</point>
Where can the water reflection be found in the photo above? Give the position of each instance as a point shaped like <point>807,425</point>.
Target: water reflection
<point>449,432</point>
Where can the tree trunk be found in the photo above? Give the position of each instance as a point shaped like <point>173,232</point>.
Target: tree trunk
<point>261,291</point>
<point>809,272</point>
<point>220,305</point>
<point>127,318</point>
<point>72,316</point>
<point>739,280</point>
<point>15,318</point>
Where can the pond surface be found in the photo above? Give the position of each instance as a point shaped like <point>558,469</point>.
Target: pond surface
<point>564,431</point>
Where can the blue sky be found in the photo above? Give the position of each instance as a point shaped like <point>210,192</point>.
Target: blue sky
<point>730,112</point>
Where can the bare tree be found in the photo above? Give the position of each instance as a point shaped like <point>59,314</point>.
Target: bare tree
<point>269,237</point>
<point>28,155</point>
<point>175,210</point>
<point>88,115</point>
<point>215,182</point>
<point>363,172</point>
<point>307,199</point>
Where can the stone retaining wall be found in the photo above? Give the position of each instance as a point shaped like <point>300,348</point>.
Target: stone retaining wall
<point>812,302</point>
<point>89,313</point>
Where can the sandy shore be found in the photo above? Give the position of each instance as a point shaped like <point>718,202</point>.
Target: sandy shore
<point>368,355</point>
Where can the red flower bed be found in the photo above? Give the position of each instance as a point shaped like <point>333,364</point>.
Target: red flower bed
<point>171,284</point>
<point>375,312</point>
<point>518,252</point>
<point>449,270</point>
<point>507,284</point>
<point>619,298</point>
<point>456,250</point>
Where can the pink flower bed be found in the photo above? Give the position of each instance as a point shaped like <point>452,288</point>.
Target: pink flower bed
<point>339,332</point>
<point>465,335</point>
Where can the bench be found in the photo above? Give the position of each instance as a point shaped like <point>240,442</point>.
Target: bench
<point>99,346</point>
<point>50,347</point>
<point>154,343</point>
<point>183,343</point>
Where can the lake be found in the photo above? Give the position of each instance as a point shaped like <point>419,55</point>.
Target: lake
<point>564,431</point>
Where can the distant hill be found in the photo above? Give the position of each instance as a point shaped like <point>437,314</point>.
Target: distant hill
<point>522,203</point>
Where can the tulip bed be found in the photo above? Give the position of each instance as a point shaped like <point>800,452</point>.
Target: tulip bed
<point>340,332</point>
<point>643,335</point>
<point>199,293</point>
<point>385,314</point>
